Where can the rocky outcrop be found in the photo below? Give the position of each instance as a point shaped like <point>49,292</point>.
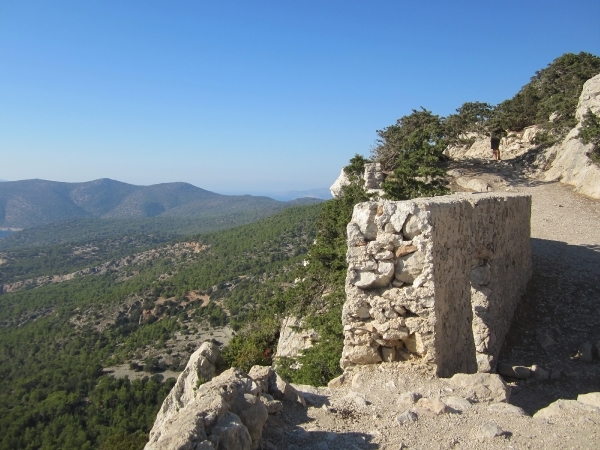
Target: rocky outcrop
<point>515,144</point>
<point>293,338</point>
<point>371,179</point>
<point>435,280</point>
<point>225,412</point>
<point>338,184</point>
<point>571,165</point>
<point>589,100</point>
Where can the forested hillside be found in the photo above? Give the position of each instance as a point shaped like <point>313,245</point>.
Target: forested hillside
<point>87,300</point>
<point>56,339</point>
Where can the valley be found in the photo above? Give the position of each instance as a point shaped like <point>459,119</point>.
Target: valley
<point>96,319</point>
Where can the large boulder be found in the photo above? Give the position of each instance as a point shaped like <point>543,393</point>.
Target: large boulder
<point>488,387</point>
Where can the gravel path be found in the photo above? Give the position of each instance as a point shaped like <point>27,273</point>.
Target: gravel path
<point>559,312</point>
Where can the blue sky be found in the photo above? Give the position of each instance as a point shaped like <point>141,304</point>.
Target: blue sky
<point>252,97</point>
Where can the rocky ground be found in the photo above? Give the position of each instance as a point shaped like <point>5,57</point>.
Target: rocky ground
<point>556,329</point>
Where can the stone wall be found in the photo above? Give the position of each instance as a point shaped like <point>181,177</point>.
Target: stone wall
<point>435,280</point>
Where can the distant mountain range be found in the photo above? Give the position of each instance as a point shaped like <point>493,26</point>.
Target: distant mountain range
<point>31,203</point>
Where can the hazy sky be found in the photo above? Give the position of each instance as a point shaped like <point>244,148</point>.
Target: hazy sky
<point>252,96</point>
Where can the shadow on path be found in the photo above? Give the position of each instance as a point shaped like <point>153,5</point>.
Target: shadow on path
<point>563,302</point>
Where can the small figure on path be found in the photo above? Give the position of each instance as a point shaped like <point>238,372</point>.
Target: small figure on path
<point>496,137</point>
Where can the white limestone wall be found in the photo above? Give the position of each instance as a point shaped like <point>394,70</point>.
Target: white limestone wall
<point>435,280</point>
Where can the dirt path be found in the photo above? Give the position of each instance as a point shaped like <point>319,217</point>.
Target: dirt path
<point>559,312</point>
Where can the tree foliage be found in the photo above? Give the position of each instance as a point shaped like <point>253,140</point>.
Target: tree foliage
<point>470,117</point>
<point>412,149</point>
<point>590,134</point>
<point>554,89</point>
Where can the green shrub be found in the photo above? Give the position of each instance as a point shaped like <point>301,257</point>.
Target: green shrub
<point>413,149</point>
<point>590,134</point>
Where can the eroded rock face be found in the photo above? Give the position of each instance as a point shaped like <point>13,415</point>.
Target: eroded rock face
<point>338,184</point>
<point>571,165</point>
<point>293,338</point>
<point>227,412</point>
<point>589,100</point>
<point>371,180</point>
<point>435,280</point>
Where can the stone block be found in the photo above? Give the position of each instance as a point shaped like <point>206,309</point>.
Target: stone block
<point>435,278</point>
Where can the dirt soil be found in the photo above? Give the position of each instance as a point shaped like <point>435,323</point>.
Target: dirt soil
<point>559,312</point>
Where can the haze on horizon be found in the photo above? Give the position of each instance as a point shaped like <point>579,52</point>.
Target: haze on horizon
<point>260,97</point>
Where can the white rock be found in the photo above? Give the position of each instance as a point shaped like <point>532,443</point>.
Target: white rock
<point>232,433</point>
<point>355,237</point>
<point>490,430</point>
<point>293,339</point>
<point>592,399</point>
<point>401,213</point>
<point>412,227</point>
<point>364,216</point>
<point>252,412</point>
<point>198,369</point>
<point>409,398</point>
<point>177,426</point>
<point>519,372</point>
<point>337,382</point>
<point>282,390</point>
<point>571,164</point>
<point>567,407</point>
<point>407,417</point>
<point>336,187</point>
<point>414,343</point>
<point>361,354</point>
<point>473,184</point>
<point>589,100</point>
<point>356,398</point>
<point>410,267</point>
<point>482,386</point>
<point>434,405</point>
<point>373,176</point>
<point>506,408</point>
<point>458,403</point>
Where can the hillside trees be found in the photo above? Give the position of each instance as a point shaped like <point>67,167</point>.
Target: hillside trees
<point>553,90</point>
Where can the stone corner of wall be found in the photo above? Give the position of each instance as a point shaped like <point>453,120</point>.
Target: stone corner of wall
<point>417,268</point>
